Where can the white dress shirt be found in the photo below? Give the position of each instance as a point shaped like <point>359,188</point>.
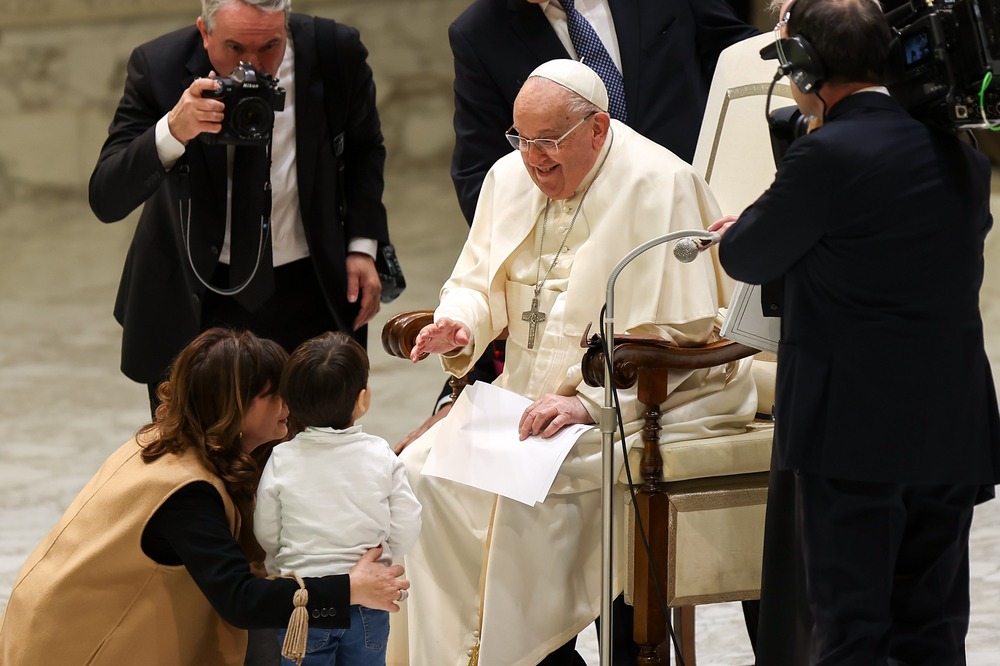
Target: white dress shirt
<point>597,13</point>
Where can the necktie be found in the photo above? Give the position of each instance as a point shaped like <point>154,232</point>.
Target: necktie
<point>592,53</point>
<point>250,262</point>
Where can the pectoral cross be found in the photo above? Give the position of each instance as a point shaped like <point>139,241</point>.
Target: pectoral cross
<point>534,317</point>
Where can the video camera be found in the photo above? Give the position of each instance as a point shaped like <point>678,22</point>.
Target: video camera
<point>941,61</point>
<point>786,124</point>
<point>939,67</point>
<point>251,99</point>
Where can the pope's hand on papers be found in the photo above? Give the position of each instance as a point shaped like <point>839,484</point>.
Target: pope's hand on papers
<point>550,414</point>
<point>442,336</point>
<point>478,445</point>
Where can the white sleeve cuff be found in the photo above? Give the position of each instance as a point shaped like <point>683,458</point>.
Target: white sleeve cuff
<point>168,148</point>
<point>363,245</point>
<point>444,400</point>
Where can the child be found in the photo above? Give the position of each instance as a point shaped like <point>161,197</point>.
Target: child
<point>331,493</point>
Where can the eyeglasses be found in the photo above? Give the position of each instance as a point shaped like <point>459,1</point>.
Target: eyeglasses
<point>546,146</point>
<point>779,39</point>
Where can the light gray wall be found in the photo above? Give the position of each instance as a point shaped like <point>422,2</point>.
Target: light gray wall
<point>64,68</point>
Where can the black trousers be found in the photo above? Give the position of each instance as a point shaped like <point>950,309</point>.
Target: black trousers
<point>785,622</point>
<point>624,650</point>
<point>295,312</point>
<point>886,570</point>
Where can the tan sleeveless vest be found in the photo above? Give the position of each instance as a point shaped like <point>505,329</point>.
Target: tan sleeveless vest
<point>89,595</point>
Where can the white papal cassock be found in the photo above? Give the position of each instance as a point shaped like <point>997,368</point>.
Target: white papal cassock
<point>494,580</point>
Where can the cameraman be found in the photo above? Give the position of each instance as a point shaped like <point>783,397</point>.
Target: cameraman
<point>300,268</point>
<point>886,414</point>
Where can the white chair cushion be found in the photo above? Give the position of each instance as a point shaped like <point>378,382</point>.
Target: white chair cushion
<point>744,453</point>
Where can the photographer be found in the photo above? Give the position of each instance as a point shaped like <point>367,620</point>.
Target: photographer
<point>210,248</point>
<point>886,414</point>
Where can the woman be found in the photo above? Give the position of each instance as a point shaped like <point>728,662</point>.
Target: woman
<point>144,566</point>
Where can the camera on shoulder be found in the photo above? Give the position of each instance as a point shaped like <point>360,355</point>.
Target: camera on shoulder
<point>943,59</point>
<point>251,100</point>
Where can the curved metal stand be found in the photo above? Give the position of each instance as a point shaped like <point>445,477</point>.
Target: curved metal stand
<point>608,427</point>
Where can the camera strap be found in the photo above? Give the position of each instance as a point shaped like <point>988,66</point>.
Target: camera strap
<point>251,268</point>
<point>263,236</point>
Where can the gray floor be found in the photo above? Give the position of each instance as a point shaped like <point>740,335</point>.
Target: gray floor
<point>64,406</point>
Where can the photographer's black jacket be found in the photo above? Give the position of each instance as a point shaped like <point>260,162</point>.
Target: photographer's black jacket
<point>878,223</point>
<point>159,300</point>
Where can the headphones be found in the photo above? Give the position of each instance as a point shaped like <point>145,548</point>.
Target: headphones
<point>799,60</point>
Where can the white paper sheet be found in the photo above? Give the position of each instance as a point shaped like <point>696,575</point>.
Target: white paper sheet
<point>477,445</point>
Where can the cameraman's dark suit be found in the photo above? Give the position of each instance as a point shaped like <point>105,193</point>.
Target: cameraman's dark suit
<point>885,396</point>
<point>159,300</point>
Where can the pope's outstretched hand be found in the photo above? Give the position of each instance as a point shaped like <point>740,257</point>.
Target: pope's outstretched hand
<point>442,336</point>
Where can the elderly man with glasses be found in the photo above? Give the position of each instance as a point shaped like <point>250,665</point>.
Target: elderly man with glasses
<point>500,582</point>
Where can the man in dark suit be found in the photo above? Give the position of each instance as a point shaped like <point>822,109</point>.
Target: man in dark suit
<point>886,411</point>
<point>177,279</point>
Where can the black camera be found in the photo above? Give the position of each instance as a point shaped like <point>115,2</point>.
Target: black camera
<point>941,61</point>
<point>251,100</point>
<point>786,124</point>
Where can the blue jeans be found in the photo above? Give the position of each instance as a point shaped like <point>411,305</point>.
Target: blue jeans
<point>362,644</point>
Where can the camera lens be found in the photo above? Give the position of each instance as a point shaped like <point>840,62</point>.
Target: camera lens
<point>252,118</point>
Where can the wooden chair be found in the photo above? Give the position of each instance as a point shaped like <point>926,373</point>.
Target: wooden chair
<point>693,498</point>
<point>701,502</point>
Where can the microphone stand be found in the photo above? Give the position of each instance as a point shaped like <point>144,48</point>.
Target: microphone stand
<point>608,427</point>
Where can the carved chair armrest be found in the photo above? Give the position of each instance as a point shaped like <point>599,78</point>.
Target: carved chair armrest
<point>633,352</point>
<point>400,332</point>
<point>646,362</point>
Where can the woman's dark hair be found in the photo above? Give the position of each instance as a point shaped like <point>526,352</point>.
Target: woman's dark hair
<point>851,37</point>
<point>203,403</point>
<point>322,380</point>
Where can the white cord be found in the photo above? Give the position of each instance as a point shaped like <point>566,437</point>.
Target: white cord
<point>265,229</point>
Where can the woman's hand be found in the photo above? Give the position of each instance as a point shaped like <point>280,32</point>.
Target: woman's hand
<point>550,414</point>
<point>375,585</point>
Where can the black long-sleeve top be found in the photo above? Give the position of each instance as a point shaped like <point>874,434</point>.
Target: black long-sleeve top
<point>191,529</point>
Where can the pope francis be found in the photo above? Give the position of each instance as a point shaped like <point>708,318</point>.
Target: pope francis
<point>497,582</point>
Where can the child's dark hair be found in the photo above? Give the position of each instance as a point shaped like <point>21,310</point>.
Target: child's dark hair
<point>322,380</point>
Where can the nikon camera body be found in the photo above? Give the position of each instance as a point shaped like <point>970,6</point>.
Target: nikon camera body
<point>251,100</point>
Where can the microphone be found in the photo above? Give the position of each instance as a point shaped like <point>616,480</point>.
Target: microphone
<point>687,249</point>
<point>607,421</point>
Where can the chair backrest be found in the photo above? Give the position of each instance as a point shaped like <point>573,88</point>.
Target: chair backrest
<point>734,148</point>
